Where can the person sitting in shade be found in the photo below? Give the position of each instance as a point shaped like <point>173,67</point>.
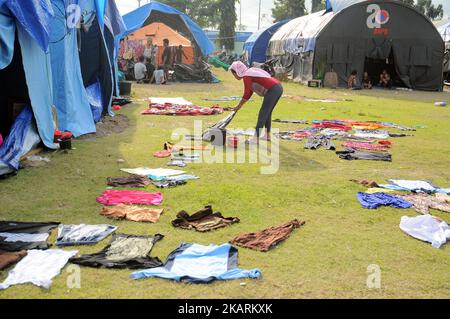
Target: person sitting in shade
<point>352,81</point>
<point>140,70</point>
<point>159,76</point>
<point>367,82</point>
<point>385,79</point>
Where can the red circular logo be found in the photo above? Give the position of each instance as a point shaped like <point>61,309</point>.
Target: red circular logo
<point>382,17</point>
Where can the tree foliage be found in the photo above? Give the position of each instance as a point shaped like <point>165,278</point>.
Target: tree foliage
<point>317,5</point>
<point>227,23</point>
<point>288,9</point>
<point>427,8</point>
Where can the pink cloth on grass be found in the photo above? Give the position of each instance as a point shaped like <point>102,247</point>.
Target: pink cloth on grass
<point>115,197</point>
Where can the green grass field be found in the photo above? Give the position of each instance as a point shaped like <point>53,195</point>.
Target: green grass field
<point>326,258</point>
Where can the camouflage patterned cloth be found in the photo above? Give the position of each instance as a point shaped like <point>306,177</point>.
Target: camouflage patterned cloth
<point>124,251</point>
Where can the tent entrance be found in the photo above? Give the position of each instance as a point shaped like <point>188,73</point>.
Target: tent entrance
<point>375,66</point>
<point>13,90</point>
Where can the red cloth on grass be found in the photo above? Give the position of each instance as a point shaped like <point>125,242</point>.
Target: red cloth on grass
<point>365,146</point>
<point>112,197</point>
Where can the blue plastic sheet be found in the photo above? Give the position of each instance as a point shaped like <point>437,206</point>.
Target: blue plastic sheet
<point>70,97</point>
<point>256,45</point>
<point>200,264</point>
<point>7,35</point>
<point>34,17</point>
<point>94,94</point>
<point>14,145</point>
<point>38,74</point>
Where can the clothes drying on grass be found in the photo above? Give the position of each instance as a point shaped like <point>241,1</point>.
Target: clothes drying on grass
<point>124,251</point>
<point>129,181</point>
<point>38,267</point>
<point>83,234</point>
<point>396,126</point>
<point>378,134</point>
<point>177,147</point>
<point>8,258</point>
<point>427,228</point>
<point>366,146</point>
<point>373,201</point>
<point>290,121</point>
<point>113,197</point>
<point>15,236</point>
<point>169,100</point>
<point>169,183</point>
<point>196,263</point>
<point>267,238</point>
<point>423,202</point>
<point>366,183</point>
<point>182,177</point>
<point>315,142</point>
<point>180,109</point>
<point>330,132</point>
<point>332,124</point>
<point>374,190</point>
<point>203,220</point>
<point>153,173</point>
<point>132,213</point>
<point>413,186</point>
<point>399,134</point>
<point>351,154</point>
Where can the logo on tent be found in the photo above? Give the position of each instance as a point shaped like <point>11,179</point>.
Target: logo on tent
<point>382,17</point>
<point>377,16</point>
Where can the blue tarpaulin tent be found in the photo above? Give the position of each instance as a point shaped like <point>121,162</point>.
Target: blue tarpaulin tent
<point>25,68</point>
<point>159,12</point>
<point>256,44</point>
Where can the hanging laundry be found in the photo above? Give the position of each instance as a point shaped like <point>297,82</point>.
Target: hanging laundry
<point>196,263</point>
<point>38,267</point>
<point>365,146</point>
<point>15,236</point>
<point>267,238</point>
<point>373,201</point>
<point>124,251</point>
<point>9,258</point>
<point>130,181</point>
<point>427,228</point>
<point>112,197</point>
<point>82,234</point>
<point>203,220</point>
<point>423,202</point>
<point>153,173</point>
<point>168,183</point>
<point>379,134</point>
<point>132,213</point>
<point>315,142</point>
<point>291,121</point>
<point>351,154</point>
